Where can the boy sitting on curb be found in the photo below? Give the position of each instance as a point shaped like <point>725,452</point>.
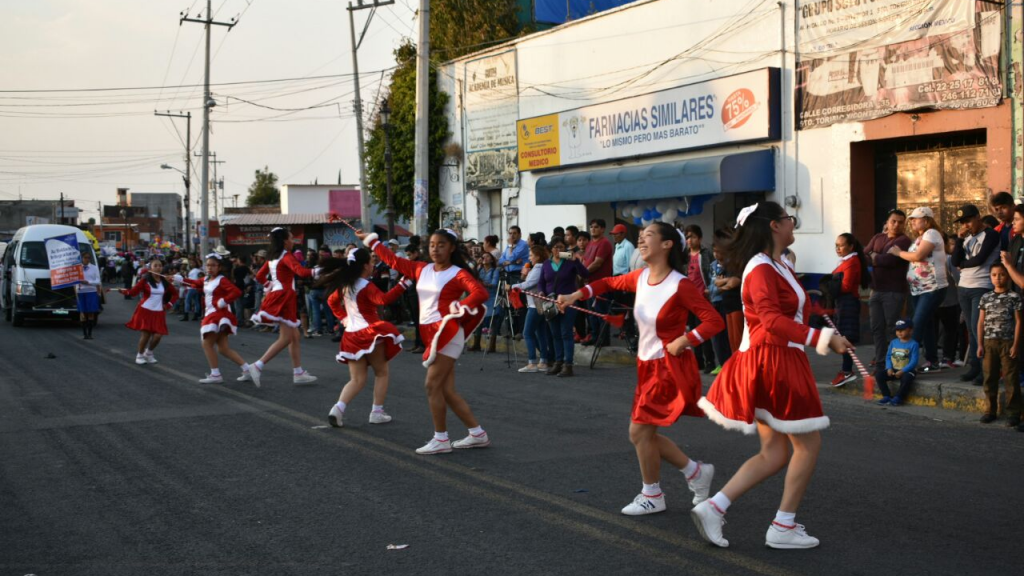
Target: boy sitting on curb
<point>900,364</point>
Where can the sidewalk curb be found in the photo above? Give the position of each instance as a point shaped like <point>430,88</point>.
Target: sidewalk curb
<point>581,357</point>
<point>946,395</point>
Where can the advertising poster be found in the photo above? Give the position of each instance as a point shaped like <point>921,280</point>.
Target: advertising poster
<point>491,109</point>
<point>948,71</point>
<point>65,261</point>
<point>344,203</point>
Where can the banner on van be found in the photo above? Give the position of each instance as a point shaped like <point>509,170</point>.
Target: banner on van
<point>65,261</point>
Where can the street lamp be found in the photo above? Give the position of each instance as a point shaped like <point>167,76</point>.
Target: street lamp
<point>188,220</point>
<point>385,116</point>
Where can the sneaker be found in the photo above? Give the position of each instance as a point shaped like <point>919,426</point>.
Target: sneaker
<point>140,359</point>
<point>542,367</point>
<point>946,364</point>
<point>708,369</point>
<point>435,446</point>
<point>642,505</point>
<point>245,377</point>
<point>931,368</point>
<point>895,401</point>
<point>884,401</point>
<point>782,537</point>
<point>716,371</point>
<point>958,363</point>
<point>471,441</point>
<point>254,373</point>
<point>528,369</point>
<point>379,417</point>
<point>988,418</point>
<point>842,378</point>
<point>700,482</point>
<point>150,358</point>
<point>210,379</point>
<point>1013,422</point>
<point>303,378</point>
<point>709,522</point>
<point>335,416</point>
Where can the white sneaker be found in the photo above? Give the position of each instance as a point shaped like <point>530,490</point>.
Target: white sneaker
<point>379,417</point>
<point>700,483</point>
<point>958,363</point>
<point>303,378</point>
<point>254,373</point>
<point>245,377</point>
<point>642,505</point>
<point>151,359</point>
<point>435,446</point>
<point>709,523</point>
<point>140,359</point>
<point>471,441</point>
<point>793,537</point>
<point>210,379</point>
<point>542,367</point>
<point>335,416</point>
<point>528,369</point>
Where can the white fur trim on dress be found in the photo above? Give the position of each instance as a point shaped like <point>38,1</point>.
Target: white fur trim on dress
<point>207,328</point>
<point>823,339</point>
<point>348,356</point>
<point>791,426</point>
<point>463,310</point>
<point>715,416</point>
<point>370,240</point>
<point>258,318</point>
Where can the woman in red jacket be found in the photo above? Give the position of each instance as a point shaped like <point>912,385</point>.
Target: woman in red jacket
<point>280,305</point>
<point>368,341</point>
<point>150,317</point>
<point>218,321</point>
<point>668,381</point>
<point>444,323</point>
<point>853,266</point>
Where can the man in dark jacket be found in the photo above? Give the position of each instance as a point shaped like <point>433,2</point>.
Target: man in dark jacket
<point>888,282</point>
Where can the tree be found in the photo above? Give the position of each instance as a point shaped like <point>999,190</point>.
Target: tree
<point>458,27</point>
<point>263,190</point>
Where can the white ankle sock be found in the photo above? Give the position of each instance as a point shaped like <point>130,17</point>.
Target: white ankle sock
<point>259,364</point>
<point>341,405</point>
<point>652,490</point>
<point>297,371</point>
<point>787,519</point>
<point>214,371</point>
<point>721,502</point>
<point>441,436</point>
<point>378,408</point>
<point>476,431</point>
<point>690,469</point>
<point>140,355</point>
<point>148,352</point>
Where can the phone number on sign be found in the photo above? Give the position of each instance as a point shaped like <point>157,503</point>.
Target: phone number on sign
<point>966,84</point>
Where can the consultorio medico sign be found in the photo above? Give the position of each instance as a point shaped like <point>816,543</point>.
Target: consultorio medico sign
<point>729,110</point>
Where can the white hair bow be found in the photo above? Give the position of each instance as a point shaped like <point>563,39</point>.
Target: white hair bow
<point>351,257</point>
<point>214,255</point>
<point>744,214</point>
<point>682,237</point>
<point>452,232</point>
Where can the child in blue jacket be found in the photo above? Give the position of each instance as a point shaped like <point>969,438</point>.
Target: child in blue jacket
<point>900,364</point>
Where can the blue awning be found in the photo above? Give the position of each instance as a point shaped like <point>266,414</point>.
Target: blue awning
<point>730,173</point>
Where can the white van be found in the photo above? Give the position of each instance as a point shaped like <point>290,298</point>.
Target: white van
<point>25,282</point>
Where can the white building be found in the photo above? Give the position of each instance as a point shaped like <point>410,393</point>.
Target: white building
<point>689,108</point>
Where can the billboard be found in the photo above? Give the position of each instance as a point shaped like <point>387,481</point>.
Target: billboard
<point>344,203</point>
<point>491,106</point>
<point>65,261</point>
<point>729,110</point>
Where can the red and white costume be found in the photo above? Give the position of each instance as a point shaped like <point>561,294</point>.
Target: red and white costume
<point>279,301</point>
<point>667,386</point>
<point>218,294</point>
<point>437,290</point>
<point>769,378</point>
<point>357,311</point>
<point>150,314</point>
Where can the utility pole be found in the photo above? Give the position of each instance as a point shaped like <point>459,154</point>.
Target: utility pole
<point>188,174</point>
<point>208,103</point>
<point>216,209</point>
<point>61,208</point>
<point>357,105</point>
<point>420,192</point>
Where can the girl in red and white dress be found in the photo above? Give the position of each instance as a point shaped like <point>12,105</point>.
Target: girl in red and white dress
<point>280,305</point>
<point>444,323</point>
<point>668,380</point>
<point>218,321</point>
<point>767,386</point>
<point>150,317</point>
<point>368,340</point>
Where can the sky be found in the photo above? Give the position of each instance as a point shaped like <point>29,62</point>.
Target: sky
<point>87,144</point>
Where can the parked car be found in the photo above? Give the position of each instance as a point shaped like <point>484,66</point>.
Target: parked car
<point>25,290</point>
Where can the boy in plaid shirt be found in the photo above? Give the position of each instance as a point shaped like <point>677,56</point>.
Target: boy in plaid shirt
<point>999,326</point>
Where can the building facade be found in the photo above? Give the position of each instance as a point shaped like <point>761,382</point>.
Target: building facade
<point>164,205</point>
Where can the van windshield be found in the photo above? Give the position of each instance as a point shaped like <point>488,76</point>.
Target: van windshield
<point>33,255</point>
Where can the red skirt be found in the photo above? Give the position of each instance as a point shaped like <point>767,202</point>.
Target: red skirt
<point>666,388</point>
<point>278,306</point>
<point>145,320</point>
<point>355,345</point>
<point>216,321</point>
<point>769,383</point>
<point>437,335</point>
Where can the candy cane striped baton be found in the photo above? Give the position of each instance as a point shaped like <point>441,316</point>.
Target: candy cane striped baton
<point>869,380</point>
<point>614,319</point>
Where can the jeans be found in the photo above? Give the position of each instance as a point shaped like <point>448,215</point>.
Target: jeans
<point>320,315</point>
<point>537,337</point>
<point>192,302</point>
<point>949,318</point>
<point>925,306</point>
<point>561,331</point>
<point>238,307</point>
<point>601,306</point>
<point>906,381</point>
<point>885,309</point>
<point>970,299</point>
<point>720,341</point>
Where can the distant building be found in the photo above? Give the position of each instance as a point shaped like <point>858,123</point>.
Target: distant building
<point>15,214</point>
<point>164,205</point>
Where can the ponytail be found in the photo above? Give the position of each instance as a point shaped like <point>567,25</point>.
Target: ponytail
<point>341,273</point>
<point>678,257</point>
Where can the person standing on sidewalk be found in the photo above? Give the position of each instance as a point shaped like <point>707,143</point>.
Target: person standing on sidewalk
<point>976,249</point>
<point>1002,205</point>
<point>888,282</point>
<point>999,325</point>
<point>853,266</point>
<point>558,276</point>
<point>597,257</point>
<point>699,272</point>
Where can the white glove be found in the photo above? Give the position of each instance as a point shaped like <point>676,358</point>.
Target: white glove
<point>455,308</point>
<point>222,304</point>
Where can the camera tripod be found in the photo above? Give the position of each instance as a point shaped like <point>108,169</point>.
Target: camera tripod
<point>501,300</point>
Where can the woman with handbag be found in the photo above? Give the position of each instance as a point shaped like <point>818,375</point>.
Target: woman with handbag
<point>558,276</point>
<point>536,331</point>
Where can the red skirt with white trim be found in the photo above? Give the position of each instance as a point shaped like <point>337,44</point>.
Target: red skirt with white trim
<point>217,321</point>
<point>355,345</point>
<point>145,320</point>
<point>666,388</point>
<point>467,323</point>
<point>278,306</point>
<point>769,383</point>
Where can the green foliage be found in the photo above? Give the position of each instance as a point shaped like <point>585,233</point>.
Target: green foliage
<point>459,27</point>
<point>263,190</point>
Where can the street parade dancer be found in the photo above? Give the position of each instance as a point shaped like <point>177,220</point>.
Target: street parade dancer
<point>767,386</point>
<point>88,295</point>
<point>150,316</point>
<point>368,341</point>
<point>668,380</point>
<point>439,285</point>
<point>218,322</point>
<point>280,305</point>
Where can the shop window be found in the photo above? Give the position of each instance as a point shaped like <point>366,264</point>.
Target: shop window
<point>943,180</point>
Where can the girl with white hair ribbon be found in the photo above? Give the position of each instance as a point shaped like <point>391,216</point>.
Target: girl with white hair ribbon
<point>444,323</point>
<point>218,322</point>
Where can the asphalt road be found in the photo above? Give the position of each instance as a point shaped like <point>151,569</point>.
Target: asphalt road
<point>111,468</point>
